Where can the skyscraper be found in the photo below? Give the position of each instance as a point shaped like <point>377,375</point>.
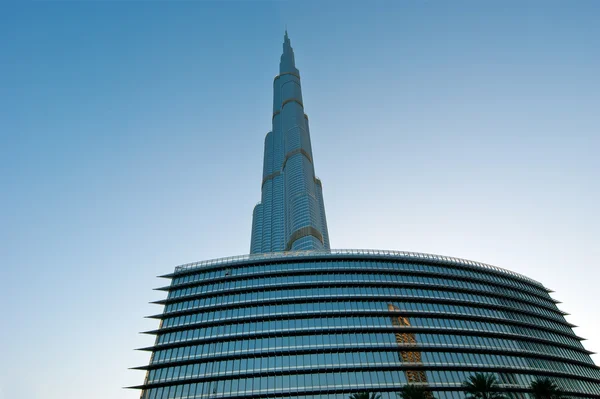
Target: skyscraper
<point>295,319</point>
<point>291,214</point>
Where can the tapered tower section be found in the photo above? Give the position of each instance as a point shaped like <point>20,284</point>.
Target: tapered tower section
<point>291,214</point>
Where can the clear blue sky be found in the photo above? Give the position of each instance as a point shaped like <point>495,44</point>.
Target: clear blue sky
<point>131,139</point>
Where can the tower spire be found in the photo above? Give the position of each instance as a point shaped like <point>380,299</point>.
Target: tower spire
<point>287,63</point>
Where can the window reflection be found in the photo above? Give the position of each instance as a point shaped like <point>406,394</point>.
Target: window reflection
<point>413,376</point>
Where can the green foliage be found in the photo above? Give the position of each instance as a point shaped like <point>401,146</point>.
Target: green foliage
<point>414,392</point>
<point>365,395</point>
<point>482,386</point>
<point>545,388</point>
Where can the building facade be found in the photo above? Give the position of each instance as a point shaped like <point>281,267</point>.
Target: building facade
<point>295,319</point>
<point>326,324</point>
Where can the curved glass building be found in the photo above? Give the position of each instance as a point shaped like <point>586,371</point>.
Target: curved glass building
<point>326,324</point>
<point>295,319</point>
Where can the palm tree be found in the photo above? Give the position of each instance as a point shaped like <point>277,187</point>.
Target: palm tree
<point>482,386</point>
<point>414,392</point>
<point>545,388</point>
<point>365,395</point>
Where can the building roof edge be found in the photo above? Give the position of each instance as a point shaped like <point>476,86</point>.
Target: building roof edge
<point>379,253</point>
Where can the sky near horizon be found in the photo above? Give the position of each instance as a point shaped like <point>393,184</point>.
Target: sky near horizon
<point>131,141</point>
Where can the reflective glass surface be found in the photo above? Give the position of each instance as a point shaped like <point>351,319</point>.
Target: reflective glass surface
<point>322,329</point>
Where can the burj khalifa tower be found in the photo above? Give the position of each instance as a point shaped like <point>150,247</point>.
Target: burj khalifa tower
<point>291,213</point>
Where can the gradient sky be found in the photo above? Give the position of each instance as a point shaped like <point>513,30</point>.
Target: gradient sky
<point>131,140</point>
